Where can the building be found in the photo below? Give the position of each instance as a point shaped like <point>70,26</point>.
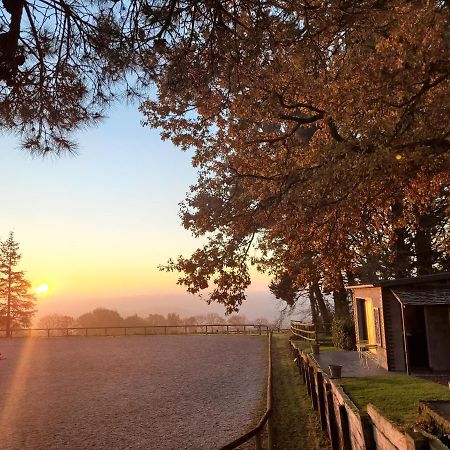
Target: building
<point>405,323</point>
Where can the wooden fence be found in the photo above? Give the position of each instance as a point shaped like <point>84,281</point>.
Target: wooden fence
<point>247,329</point>
<point>347,427</point>
<point>265,419</point>
<point>311,332</point>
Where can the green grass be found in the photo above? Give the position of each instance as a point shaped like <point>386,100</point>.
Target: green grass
<point>395,396</point>
<point>296,424</point>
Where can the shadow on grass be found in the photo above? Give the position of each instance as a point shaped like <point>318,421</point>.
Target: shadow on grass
<point>296,424</point>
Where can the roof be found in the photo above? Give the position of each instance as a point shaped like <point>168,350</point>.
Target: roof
<point>435,277</point>
<point>423,297</point>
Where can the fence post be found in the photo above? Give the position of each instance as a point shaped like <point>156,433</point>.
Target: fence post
<point>227,329</point>
<point>48,332</point>
<point>185,329</point>
<point>312,380</point>
<point>308,382</point>
<point>244,329</point>
<point>258,445</point>
<point>334,434</point>
<point>343,417</point>
<point>165,331</point>
<point>206,329</point>
<point>269,433</point>
<point>321,400</point>
<point>367,430</point>
<point>85,332</point>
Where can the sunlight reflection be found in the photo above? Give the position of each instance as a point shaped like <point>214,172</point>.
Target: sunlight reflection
<point>15,387</point>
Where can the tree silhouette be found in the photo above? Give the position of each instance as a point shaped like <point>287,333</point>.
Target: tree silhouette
<point>16,302</point>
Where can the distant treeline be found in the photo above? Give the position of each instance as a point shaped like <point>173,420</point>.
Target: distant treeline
<point>102,317</point>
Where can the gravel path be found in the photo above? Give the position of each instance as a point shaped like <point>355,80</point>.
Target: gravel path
<point>155,392</point>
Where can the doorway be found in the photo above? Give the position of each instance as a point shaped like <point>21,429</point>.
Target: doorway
<point>362,319</point>
<point>416,336</point>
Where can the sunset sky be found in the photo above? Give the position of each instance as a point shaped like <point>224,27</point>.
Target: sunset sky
<point>95,227</point>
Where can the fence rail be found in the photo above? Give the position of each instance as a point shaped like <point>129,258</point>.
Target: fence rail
<point>311,332</point>
<point>265,419</point>
<point>147,330</point>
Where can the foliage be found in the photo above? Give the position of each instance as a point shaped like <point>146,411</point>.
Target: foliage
<point>16,301</point>
<point>343,333</point>
<point>396,396</point>
<point>103,317</point>
<point>100,317</point>
<point>320,139</point>
<point>56,321</point>
<point>62,62</point>
<point>319,129</point>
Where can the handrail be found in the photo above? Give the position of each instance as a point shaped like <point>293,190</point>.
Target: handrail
<point>204,328</point>
<point>309,331</point>
<point>266,418</point>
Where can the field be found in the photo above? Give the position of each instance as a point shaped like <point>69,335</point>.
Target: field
<point>173,392</point>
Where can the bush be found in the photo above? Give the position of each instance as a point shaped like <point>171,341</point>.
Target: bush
<point>343,334</point>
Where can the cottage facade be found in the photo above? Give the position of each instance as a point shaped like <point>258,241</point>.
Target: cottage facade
<point>405,322</point>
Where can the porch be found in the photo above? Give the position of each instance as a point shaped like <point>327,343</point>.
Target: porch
<point>353,364</point>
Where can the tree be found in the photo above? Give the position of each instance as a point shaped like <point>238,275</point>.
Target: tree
<point>56,321</point>
<point>17,304</point>
<point>319,134</point>
<point>100,317</point>
<point>173,319</point>
<point>237,319</point>
<point>62,62</point>
<point>134,321</point>
<point>318,126</point>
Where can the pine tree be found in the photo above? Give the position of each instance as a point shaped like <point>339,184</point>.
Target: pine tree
<point>16,302</point>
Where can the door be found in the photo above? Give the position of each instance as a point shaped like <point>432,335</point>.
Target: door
<point>416,336</point>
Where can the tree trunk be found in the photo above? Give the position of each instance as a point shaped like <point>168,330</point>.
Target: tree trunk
<point>8,308</point>
<point>341,304</point>
<point>323,309</point>
<point>401,264</point>
<point>423,245</point>
<point>313,304</point>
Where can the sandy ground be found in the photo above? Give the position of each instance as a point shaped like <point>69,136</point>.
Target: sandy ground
<point>155,392</point>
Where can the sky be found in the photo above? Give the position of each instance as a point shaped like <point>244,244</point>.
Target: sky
<point>95,226</point>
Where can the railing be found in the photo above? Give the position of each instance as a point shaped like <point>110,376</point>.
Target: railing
<point>265,419</point>
<point>145,330</point>
<point>311,332</point>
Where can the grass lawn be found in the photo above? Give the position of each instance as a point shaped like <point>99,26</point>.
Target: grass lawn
<point>296,424</point>
<point>395,396</point>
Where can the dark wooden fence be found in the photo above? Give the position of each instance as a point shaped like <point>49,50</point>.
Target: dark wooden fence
<point>247,329</point>
<point>266,419</point>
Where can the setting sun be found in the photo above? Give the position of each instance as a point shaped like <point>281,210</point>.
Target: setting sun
<point>42,289</point>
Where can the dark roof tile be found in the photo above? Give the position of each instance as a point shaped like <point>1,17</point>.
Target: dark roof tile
<point>438,296</point>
